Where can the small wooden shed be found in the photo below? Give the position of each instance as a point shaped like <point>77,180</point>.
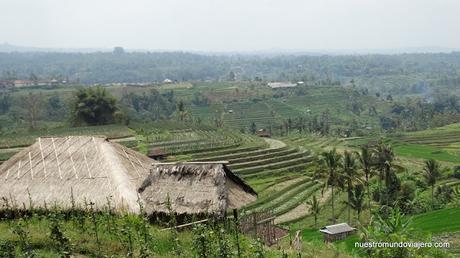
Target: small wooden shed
<point>263,133</point>
<point>336,232</point>
<point>157,154</point>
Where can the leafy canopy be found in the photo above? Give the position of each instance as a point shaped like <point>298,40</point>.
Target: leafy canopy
<point>93,106</point>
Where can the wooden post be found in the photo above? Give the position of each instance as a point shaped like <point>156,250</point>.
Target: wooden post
<point>298,243</point>
<point>237,231</point>
<point>254,224</point>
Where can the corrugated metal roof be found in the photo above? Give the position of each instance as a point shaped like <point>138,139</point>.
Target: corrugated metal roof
<point>337,228</point>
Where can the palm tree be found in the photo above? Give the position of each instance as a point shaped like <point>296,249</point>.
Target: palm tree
<point>384,154</point>
<point>349,176</point>
<point>182,111</point>
<point>356,202</point>
<point>365,161</point>
<point>315,208</point>
<point>432,172</point>
<point>332,160</point>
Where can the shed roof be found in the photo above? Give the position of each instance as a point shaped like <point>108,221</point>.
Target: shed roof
<point>337,229</point>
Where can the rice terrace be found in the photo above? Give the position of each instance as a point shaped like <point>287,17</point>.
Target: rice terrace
<point>230,129</point>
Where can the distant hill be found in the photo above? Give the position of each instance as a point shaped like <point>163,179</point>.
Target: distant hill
<point>8,48</point>
<point>395,74</point>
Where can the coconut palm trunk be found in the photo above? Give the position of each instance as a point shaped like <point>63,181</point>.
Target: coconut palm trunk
<point>366,157</point>
<point>332,199</point>
<point>315,208</point>
<point>432,171</point>
<point>349,177</point>
<point>332,161</point>
<point>368,193</point>
<point>349,209</point>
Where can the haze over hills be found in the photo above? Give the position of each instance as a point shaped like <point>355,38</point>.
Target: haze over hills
<point>8,48</point>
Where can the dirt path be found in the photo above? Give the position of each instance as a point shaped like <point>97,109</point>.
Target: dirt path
<point>274,144</point>
<point>303,208</point>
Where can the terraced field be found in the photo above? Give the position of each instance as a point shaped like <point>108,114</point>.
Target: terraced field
<point>266,112</point>
<point>21,139</point>
<point>282,176</point>
<point>196,141</point>
<point>244,114</point>
<point>446,138</point>
<point>278,172</point>
<point>12,143</point>
<point>314,143</point>
<point>442,144</point>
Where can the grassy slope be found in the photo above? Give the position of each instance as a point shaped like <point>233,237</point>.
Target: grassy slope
<point>27,138</point>
<point>439,221</point>
<point>115,242</point>
<point>441,143</point>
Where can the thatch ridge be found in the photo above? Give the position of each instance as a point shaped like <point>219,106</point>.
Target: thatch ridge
<point>239,181</point>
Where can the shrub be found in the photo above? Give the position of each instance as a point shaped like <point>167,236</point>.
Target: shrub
<point>7,249</point>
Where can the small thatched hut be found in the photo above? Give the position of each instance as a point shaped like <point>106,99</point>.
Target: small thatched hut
<point>194,188</point>
<point>72,170</point>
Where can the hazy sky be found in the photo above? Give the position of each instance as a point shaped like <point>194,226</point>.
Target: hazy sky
<point>231,25</point>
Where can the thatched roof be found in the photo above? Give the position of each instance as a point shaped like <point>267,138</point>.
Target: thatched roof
<point>92,169</point>
<point>195,187</point>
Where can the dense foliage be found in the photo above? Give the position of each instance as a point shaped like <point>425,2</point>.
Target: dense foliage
<point>384,73</point>
<point>93,106</point>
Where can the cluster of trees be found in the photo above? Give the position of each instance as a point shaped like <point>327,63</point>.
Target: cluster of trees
<point>86,106</point>
<point>418,114</point>
<point>29,109</point>
<point>320,124</point>
<point>370,176</point>
<point>395,227</point>
<point>148,106</point>
<point>94,106</point>
<point>200,99</point>
<point>121,66</point>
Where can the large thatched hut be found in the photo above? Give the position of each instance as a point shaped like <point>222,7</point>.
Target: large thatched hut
<point>78,170</point>
<point>65,170</point>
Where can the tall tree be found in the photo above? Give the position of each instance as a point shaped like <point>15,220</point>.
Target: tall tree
<point>253,128</point>
<point>93,106</point>
<point>231,76</point>
<point>332,161</point>
<point>365,161</point>
<point>432,173</point>
<point>32,107</point>
<point>349,176</point>
<point>182,111</point>
<point>315,208</point>
<point>384,158</point>
<point>356,200</point>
